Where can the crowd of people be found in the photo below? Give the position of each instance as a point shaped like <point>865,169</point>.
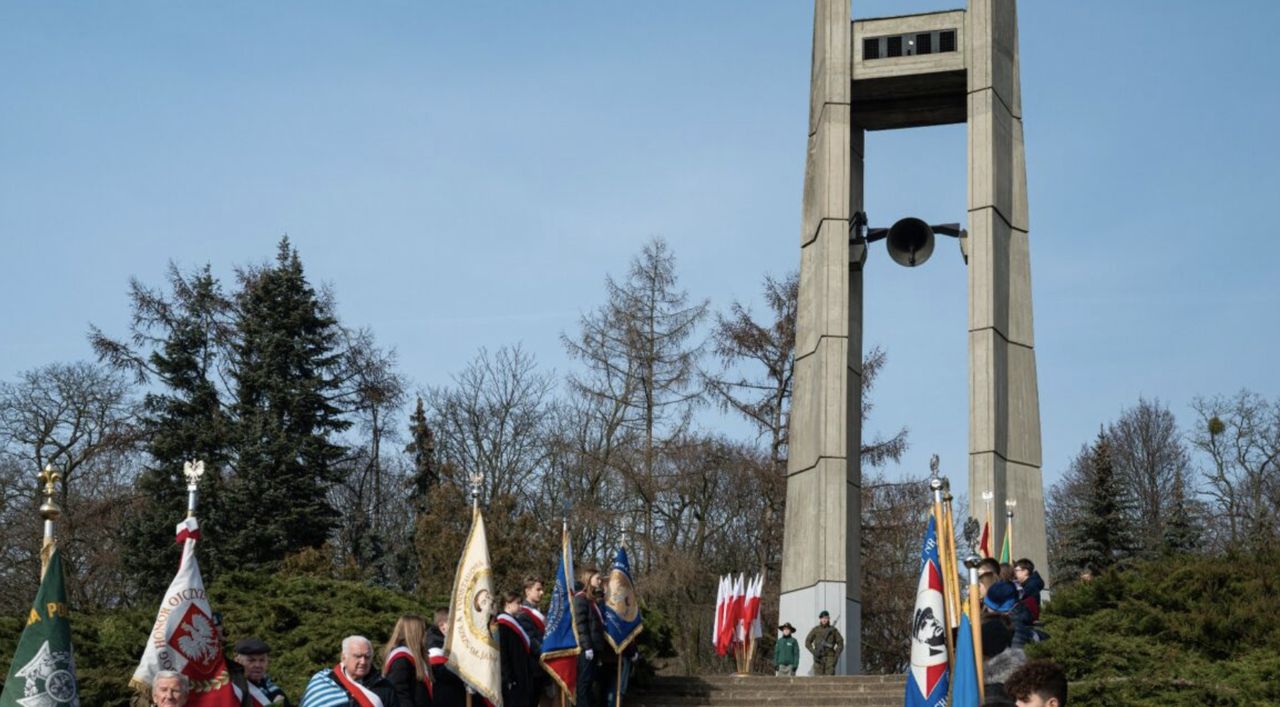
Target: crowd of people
<point>409,670</point>
<point>1010,599</point>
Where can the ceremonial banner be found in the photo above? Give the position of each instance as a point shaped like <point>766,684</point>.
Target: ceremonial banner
<point>927,679</point>
<point>1005,551</point>
<point>472,650</point>
<point>184,638</point>
<point>621,608</point>
<point>964,692</point>
<point>984,545</point>
<point>560,643</point>
<point>43,671</point>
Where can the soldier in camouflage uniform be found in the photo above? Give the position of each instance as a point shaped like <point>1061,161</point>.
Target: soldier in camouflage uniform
<point>826,644</point>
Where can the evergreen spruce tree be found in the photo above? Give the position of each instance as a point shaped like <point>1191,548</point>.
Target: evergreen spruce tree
<point>1101,536</point>
<point>422,449</point>
<point>1181,534</point>
<point>285,363</point>
<point>184,419</point>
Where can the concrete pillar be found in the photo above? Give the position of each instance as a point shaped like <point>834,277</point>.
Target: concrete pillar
<point>1004,406</point>
<point>820,561</point>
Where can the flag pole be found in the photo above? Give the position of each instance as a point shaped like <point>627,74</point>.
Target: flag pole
<point>935,484</point>
<point>975,620</point>
<point>988,497</point>
<point>617,689</point>
<point>50,511</point>
<point>953,557</point>
<point>1009,505</point>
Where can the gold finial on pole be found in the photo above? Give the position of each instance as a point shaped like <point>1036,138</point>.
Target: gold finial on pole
<point>193,470</point>
<point>49,511</point>
<point>476,480</point>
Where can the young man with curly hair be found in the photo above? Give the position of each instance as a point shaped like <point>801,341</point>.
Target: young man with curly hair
<point>1039,683</point>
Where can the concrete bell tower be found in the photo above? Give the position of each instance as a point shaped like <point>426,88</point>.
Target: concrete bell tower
<point>958,66</point>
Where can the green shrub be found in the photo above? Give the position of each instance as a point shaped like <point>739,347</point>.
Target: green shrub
<point>1178,631</point>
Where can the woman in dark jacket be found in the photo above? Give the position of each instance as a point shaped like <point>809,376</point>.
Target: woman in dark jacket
<point>405,662</point>
<point>590,621</point>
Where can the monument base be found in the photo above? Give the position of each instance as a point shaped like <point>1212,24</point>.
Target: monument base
<point>800,608</point>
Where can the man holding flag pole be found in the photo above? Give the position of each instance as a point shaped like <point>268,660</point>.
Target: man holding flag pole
<point>43,671</point>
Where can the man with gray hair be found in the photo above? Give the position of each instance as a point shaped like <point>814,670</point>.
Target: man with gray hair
<point>353,682</point>
<point>169,689</point>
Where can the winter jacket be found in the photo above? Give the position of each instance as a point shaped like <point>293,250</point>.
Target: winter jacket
<point>787,652</point>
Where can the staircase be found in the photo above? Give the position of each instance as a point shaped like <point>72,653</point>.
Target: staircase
<point>749,690</point>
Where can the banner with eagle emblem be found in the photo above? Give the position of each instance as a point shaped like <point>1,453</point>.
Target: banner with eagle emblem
<point>184,637</point>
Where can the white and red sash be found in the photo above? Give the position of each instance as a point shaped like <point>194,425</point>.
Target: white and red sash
<point>538,619</point>
<point>436,656</point>
<point>255,694</point>
<point>361,694</point>
<point>505,619</point>
<point>401,652</point>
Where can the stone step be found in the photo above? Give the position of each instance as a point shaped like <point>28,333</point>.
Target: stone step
<point>744,691</point>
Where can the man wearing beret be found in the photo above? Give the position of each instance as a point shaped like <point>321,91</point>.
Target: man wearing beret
<point>254,655</point>
<point>826,644</point>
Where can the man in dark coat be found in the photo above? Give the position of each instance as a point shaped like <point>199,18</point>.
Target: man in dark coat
<point>449,690</point>
<point>255,655</point>
<point>353,682</point>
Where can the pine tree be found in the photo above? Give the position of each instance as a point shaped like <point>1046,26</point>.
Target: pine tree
<point>184,418</point>
<point>1181,531</point>
<point>1101,536</point>
<point>285,362</point>
<point>422,449</point>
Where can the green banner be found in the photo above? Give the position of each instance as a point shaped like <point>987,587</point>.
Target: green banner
<point>43,673</point>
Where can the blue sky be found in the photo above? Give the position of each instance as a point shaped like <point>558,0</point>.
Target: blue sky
<point>464,175</point>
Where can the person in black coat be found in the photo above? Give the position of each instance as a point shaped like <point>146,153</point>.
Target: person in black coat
<point>590,620</point>
<point>514,648</point>
<point>448,689</point>
<point>534,624</point>
<point>405,662</point>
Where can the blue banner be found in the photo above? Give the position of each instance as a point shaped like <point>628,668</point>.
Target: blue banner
<point>927,678</point>
<point>621,608</point>
<point>560,644</point>
<point>965,693</point>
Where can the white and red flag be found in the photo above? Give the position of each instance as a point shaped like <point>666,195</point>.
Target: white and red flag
<point>751,611</point>
<point>717,630</point>
<point>184,638</point>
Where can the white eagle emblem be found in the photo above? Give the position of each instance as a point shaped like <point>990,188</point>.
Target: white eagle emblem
<point>195,638</point>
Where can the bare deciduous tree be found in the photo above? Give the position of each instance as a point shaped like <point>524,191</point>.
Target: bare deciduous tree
<point>77,418</point>
<point>1152,461</point>
<point>1241,437</point>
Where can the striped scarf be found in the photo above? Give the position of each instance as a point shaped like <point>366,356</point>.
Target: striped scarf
<point>326,689</point>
